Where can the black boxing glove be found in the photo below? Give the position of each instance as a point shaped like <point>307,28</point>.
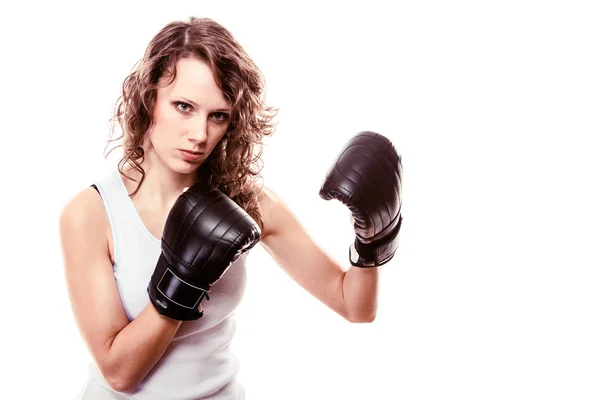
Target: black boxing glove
<point>367,178</point>
<point>205,232</point>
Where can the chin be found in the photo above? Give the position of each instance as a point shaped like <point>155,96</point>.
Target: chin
<point>183,167</point>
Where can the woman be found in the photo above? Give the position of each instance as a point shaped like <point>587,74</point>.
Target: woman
<point>154,308</point>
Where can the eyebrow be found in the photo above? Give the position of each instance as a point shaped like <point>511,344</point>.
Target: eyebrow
<point>228,109</point>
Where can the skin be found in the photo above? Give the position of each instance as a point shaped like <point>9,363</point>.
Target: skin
<point>190,114</point>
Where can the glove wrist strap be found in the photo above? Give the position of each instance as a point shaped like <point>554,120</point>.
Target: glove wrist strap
<point>172,296</point>
<point>376,253</point>
<point>179,291</point>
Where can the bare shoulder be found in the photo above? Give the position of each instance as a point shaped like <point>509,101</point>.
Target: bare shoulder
<point>84,218</point>
<point>275,212</point>
<point>82,209</point>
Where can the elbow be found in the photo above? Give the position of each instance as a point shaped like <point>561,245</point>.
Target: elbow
<point>118,380</point>
<point>361,318</point>
<point>120,384</point>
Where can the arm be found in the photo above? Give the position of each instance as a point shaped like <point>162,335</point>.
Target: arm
<point>367,178</point>
<point>124,351</point>
<point>350,292</point>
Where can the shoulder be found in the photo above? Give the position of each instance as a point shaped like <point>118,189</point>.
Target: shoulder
<point>275,212</point>
<point>84,212</point>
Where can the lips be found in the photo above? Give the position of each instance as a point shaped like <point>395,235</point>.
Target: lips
<point>189,155</point>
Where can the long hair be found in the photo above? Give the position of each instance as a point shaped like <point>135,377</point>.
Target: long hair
<point>235,164</point>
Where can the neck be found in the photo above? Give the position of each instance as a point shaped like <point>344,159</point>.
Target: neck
<point>161,186</point>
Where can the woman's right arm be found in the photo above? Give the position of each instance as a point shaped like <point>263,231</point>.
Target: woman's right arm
<point>124,351</point>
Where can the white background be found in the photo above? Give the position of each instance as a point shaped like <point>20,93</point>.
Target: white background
<point>494,291</point>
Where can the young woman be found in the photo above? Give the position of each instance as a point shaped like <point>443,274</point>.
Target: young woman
<point>155,253</point>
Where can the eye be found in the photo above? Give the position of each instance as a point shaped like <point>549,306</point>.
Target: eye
<point>220,116</point>
<point>183,107</point>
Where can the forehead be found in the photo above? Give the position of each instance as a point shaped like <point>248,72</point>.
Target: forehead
<point>195,81</point>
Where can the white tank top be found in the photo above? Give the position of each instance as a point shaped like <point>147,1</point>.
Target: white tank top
<point>198,363</point>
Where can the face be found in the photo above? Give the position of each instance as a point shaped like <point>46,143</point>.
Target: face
<point>191,116</point>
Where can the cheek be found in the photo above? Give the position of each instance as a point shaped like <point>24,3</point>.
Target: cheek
<point>166,117</point>
<point>166,122</point>
<point>215,137</point>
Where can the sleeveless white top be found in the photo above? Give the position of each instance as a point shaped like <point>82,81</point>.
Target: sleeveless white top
<point>198,363</point>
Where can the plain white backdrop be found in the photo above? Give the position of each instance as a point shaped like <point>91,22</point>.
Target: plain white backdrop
<point>493,293</point>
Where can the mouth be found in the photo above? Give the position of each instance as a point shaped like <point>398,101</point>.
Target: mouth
<point>189,155</point>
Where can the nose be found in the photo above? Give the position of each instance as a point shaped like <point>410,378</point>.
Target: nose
<point>197,131</point>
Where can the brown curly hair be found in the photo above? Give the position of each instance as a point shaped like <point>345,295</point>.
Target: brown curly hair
<point>235,164</point>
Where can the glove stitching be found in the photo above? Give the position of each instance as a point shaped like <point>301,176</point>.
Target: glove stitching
<point>220,239</point>
<point>193,209</point>
<point>395,183</point>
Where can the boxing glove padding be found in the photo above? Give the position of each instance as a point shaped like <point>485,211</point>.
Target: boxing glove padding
<point>367,178</point>
<point>205,232</point>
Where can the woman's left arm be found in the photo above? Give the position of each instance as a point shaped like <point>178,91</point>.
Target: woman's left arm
<point>350,292</point>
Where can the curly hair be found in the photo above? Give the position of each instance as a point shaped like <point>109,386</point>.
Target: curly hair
<point>235,164</point>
